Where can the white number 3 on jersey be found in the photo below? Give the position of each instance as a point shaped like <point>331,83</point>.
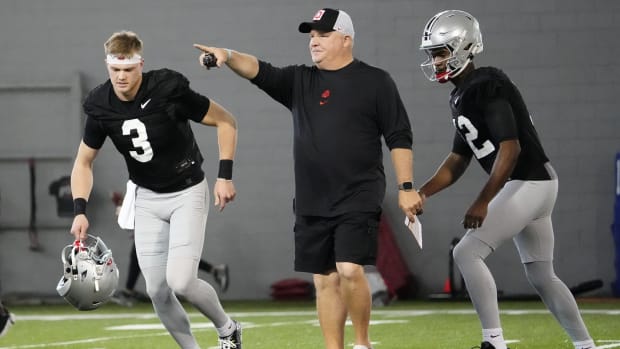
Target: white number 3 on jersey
<point>140,141</point>
<point>471,134</point>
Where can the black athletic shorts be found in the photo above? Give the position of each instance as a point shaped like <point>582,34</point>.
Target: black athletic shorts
<point>320,242</point>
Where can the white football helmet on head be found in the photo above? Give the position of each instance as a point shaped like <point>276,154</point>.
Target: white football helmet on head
<point>90,274</point>
<point>457,31</point>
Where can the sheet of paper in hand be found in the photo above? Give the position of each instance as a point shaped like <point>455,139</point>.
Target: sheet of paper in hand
<point>416,229</point>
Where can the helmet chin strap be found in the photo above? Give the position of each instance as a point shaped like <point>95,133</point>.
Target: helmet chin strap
<point>442,77</point>
<point>448,74</point>
<point>469,60</point>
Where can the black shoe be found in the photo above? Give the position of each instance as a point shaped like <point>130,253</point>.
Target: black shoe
<point>6,320</point>
<point>220,274</point>
<point>234,340</point>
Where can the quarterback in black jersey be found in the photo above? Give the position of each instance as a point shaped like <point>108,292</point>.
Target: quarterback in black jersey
<point>146,115</point>
<point>341,109</point>
<point>493,126</point>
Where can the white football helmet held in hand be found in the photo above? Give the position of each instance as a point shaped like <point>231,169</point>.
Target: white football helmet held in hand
<point>90,274</point>
<point>457,31</point>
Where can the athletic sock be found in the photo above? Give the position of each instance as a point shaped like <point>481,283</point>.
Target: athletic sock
<point>359,346</point>
<point>494,336</point>
<point>227,329</point>
<point>589,344</point>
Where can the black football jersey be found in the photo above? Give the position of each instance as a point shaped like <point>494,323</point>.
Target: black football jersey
<point>487,108</point>
<point>152,132</point>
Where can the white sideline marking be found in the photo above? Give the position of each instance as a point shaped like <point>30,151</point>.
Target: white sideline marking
<point>208,325</point>
<point>158,326</point>
<point>295,313</point>
<point>82,341</point>
<point>614,343</point>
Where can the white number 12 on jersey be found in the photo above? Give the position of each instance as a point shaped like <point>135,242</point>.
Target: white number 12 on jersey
<point>471,134</point>
<point>140,141</point>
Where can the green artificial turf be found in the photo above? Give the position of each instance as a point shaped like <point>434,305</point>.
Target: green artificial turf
<point>401,325</point>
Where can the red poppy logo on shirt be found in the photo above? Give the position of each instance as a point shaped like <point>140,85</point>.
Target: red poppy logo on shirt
<point>325,96</point>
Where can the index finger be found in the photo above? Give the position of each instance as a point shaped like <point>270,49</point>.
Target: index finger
<point>80,235</point>
<point>217,200</point>
<point>203,48</point>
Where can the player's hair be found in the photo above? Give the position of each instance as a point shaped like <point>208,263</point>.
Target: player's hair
<point>123,43</point>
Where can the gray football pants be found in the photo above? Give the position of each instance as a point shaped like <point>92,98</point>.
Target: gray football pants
<point>521,211</point>
<point>169,234</point>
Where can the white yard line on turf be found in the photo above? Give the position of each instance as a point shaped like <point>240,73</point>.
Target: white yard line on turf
<point>294,313</point>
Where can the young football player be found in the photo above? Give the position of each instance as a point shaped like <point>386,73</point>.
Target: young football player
<point>146,115</point>
<point>493,126</point>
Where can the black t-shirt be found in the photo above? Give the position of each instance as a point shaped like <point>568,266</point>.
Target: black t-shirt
<point>487,109</point>
<point>339,118</point>
<point>152,132</point>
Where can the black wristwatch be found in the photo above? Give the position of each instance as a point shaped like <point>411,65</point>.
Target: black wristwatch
<point>406,186</point>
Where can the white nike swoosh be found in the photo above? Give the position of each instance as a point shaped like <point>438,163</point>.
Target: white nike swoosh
<point>456,100</point>
<point>143,105</point>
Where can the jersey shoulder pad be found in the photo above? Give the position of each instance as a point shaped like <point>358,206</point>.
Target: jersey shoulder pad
<point>96,102</point>
<point>486,84</point>
<point>166,82</point>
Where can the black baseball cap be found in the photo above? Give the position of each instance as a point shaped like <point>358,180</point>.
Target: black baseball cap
<point>328,20</point>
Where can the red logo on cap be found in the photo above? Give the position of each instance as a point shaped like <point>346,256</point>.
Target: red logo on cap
<point>318,15</point>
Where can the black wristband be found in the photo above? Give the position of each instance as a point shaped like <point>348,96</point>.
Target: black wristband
<point>225,171</point>
<point>79,206</point>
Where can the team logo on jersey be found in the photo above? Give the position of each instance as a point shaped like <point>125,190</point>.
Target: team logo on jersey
<point>456,100</point>
<point>143,105</point>
<point>325,97</point>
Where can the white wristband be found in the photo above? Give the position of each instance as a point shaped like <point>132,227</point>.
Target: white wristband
<point>229,52</point>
